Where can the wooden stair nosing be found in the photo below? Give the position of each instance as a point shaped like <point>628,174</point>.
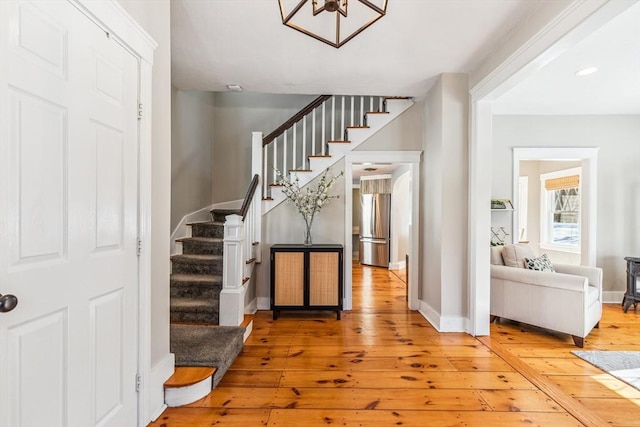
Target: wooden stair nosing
<point>319,156</point>
<point>185,376</point>
<point>300,170</point>
<point>377,112</point>
<point>358,127</point>
<point>339,141</point>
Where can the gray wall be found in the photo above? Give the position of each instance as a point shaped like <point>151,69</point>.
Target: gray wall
<point>191,152</point>
<point>618,187</point>
<point>285,225</point>
<point>444,202</point>
<point>236,116</point>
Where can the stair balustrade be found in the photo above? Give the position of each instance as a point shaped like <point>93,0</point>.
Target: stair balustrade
<point>307,134</point>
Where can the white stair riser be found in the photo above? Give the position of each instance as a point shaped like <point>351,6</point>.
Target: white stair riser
<point>179,396</point>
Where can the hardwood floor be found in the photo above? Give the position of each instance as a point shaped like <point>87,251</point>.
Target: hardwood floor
<point>383,365</point>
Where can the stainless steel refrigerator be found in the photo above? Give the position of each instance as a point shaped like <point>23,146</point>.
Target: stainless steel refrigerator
<point>375,210</point>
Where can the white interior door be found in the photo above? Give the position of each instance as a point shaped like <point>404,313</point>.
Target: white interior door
<point>68,220</point>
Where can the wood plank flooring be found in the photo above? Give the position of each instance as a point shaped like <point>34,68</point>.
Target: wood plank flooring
<point>383,365</point>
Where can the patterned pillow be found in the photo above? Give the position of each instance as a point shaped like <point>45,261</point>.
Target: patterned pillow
<point>542,263</point>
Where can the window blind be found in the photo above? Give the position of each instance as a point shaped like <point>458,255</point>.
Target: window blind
<point>564,182</point>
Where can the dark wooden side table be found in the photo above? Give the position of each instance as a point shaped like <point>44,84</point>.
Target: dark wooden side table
<point>632,296</point>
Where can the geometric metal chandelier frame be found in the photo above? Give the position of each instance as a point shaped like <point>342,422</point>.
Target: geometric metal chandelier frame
<point>333,22</point>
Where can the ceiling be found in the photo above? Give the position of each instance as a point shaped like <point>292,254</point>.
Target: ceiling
<point>216,43</point>
<point>615,89</point>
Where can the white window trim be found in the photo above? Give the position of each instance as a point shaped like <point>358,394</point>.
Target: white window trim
<point>544,208</point>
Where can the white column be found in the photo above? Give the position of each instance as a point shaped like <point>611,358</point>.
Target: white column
<point>232,295</point>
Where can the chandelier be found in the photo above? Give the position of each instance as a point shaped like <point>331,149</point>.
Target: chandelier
<point>333,22</point>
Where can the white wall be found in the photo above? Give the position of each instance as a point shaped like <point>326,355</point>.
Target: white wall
<point>618,186</point>
<point>236,115</point>
<point>445,203</point>
<point>191,152</point>
<point>400,216</point>
<point>155,17</point>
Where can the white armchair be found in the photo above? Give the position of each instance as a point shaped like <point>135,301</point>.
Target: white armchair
<point>568,300</point>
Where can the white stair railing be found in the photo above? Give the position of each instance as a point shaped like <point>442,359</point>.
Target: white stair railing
<point>289,147</point>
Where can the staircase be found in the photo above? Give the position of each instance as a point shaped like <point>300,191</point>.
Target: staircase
<point>307,144</point>
<point>203,350</point>
<point>319,136</point>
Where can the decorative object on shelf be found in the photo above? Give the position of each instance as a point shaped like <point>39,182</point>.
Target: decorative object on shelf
<point>501,204</point>
<point>333,22</point>
<point>309,200</point>
<point>498,236</point>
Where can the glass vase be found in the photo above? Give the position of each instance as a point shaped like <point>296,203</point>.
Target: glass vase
<point>307,235</point>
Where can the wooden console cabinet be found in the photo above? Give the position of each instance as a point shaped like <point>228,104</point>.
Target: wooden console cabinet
<point>306,278</point>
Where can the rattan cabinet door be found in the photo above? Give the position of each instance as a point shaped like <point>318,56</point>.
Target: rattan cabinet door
<point>289,278</point>
<point>323,278</point>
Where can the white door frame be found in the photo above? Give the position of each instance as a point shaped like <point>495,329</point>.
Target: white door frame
<point>503,71</point>
<point>116,22</point>
<point>408,157</point>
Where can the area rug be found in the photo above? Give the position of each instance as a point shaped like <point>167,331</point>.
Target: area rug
<point>624,365</point>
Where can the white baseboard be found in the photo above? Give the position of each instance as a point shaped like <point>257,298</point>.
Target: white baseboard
<point>264,303</point>
<point>610,297</point>
<point>400,265</point>
<point>252,307</point>
<point>160,373</point>
<point>442,323</point>
<point>203,214</point>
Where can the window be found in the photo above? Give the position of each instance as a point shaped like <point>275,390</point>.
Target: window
<point>560,210</point>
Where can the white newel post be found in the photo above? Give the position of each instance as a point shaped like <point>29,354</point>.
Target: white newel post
<point>232,295</point>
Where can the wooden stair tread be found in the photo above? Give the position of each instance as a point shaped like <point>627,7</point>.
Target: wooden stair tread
<point>267,198</point>
<point>248,318</point>
<point>185,376</point>
<point>300,170</point>
<point>357,127</point>
<point>320,156</point>
<point>377,112</point>
<point>339,141</point>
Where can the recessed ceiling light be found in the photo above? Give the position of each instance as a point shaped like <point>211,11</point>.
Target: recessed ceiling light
<point>586,71</point>
<point>234,88</point>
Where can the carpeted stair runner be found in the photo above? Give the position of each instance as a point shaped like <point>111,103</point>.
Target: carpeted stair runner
<point>196,283</point>
<point>210,346</point>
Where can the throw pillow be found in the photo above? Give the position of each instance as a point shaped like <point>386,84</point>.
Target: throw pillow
<point>542,263</point>
<point>514,255</point>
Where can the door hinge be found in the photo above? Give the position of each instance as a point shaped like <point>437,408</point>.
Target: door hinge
<point>138,382</point>
<point>139,247</point>
<point>139,110</point>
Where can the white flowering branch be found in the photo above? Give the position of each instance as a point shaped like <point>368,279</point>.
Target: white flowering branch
<point>309,200</point>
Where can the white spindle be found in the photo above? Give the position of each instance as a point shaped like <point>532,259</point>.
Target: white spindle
<point>380,104</point>
<point>352,110</point>
<point>371,103</point>
<point>313,131</point>
<point>284,157</point>
<point>361,111</point>
<point>265,161</point>
<point>275,159</point>
<point>304,142</point>
<point>294,145</point>
<point>324,141</point>
<point>333,118</point>
<point>342,124</point>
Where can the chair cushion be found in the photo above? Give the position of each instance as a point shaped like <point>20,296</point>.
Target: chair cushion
<point>514,255</point>
<point>542,263</point>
